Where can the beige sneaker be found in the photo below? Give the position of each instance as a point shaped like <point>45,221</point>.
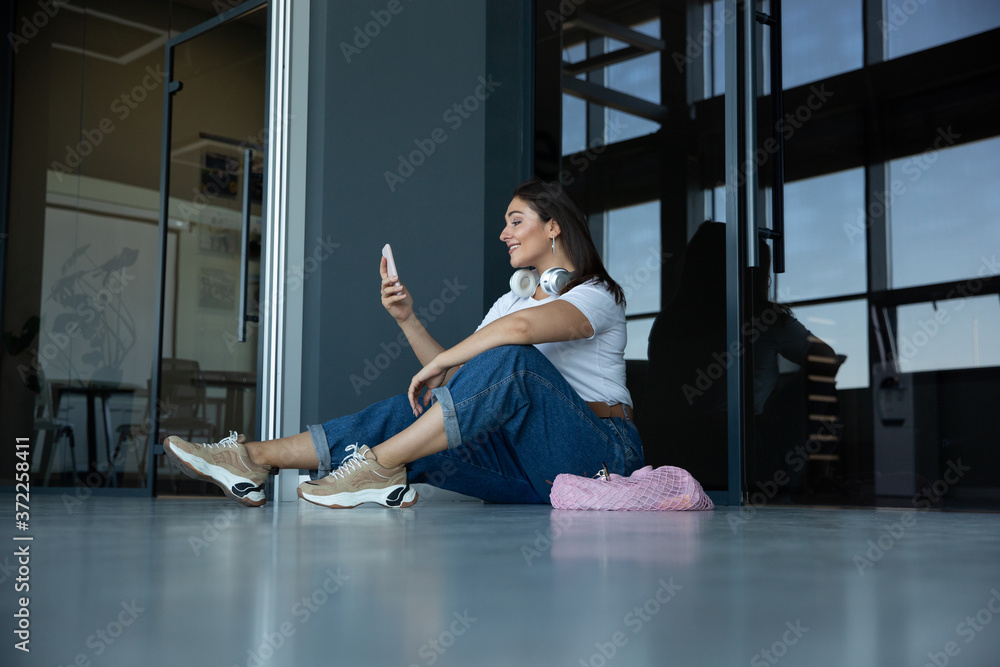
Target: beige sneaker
<point>360,479</point>
<point>225,463</point>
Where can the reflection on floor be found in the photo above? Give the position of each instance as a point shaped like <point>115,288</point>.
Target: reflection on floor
<point>207,582</point>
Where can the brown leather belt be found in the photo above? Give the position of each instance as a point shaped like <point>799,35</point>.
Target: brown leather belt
<point>603,410</point>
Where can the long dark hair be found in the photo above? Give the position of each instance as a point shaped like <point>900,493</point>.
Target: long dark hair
<point>551,202</point>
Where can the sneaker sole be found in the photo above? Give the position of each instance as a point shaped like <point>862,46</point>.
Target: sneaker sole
<point>392,497</point>
<point>191,468</point>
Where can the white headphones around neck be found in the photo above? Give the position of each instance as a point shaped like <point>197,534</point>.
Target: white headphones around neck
<point>524,281</point>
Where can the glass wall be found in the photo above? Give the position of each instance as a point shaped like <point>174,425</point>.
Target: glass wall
<point>80,306</point>
<point>876,346</point>
<point>888,241</point>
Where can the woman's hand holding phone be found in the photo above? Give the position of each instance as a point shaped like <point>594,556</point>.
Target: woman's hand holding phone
<point>395,298</point>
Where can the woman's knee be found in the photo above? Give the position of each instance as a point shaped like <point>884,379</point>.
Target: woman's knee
<point>500,362</point>
<point>518,356</point>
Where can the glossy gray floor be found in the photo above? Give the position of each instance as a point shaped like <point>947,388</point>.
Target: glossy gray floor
<point>206,582</point>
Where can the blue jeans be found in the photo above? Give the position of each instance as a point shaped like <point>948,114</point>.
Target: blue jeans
<point>513,423</point>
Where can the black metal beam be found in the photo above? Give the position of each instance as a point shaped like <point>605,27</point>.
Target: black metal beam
<point>593,23</point>
<point>602,61</point>
<point>622,12</point>
<point>905,296</point>
<point>613,99</point>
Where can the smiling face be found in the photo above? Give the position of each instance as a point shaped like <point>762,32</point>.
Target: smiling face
<point>528,239</point>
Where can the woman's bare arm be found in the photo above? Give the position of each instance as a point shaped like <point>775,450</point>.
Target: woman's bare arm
<point>552,322</point>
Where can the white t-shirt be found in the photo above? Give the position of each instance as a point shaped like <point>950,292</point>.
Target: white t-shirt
<point>595,366</point>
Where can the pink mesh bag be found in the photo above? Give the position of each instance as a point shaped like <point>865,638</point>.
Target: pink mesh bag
<point>666,488</point>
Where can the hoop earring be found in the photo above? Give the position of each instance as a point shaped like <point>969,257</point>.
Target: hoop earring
<point>553,245</point>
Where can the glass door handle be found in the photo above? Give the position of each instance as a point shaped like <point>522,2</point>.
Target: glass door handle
<point>778,161</point>
<point>749,26</point>
<point>773,21</point>
<point>243,318</point>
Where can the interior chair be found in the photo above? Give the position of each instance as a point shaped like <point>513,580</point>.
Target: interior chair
<point>53,431</point>
<point>183,411</point>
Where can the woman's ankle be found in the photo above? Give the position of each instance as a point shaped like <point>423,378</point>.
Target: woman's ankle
<point>384,459</point>
<point>257,453</point>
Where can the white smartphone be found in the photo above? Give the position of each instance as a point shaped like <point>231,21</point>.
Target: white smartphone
<point>390,262</point>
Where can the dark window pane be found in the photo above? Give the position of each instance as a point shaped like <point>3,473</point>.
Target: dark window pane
<point>943,212</point>
<point>639,77</point>
<point>820,39</point>
<point>574,124</point>
<point>914,25</point>
<point>620,126</point>
<point>957,333</point>
<point>821,259</point>
<point>632,255</point>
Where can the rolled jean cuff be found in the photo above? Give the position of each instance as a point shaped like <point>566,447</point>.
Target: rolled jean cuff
<point>322,448</point>
<point>451,430</point>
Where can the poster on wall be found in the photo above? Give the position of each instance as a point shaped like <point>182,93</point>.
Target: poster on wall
<point>214,240</point>
<point>216,289</point>
<point>220,176</point>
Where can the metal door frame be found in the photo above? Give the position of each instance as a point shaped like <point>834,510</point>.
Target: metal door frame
<point>170,88</point>
<point>741,208</point>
